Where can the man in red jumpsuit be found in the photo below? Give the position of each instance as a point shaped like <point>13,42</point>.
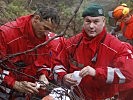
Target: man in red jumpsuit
<point>94,60</point>
<point>23,34</point>
<point>124,20</point>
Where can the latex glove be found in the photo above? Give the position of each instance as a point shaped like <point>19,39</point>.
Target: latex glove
<point>25,87</point>
<point>76,76</point>
<point>68,80</point>
<point>43,79</point>
<point>88,70</point>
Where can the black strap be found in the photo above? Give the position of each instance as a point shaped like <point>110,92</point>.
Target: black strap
<point>72,60</point>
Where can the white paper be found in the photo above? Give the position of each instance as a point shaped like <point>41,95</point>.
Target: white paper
<point>76,76</point>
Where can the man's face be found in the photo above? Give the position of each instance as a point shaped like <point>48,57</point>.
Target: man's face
<point>42,27</point>
<point>125,19</point>
<point>93,25</point>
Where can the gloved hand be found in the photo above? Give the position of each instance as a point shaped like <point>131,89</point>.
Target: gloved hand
<point>68,80</point>
<point>25,87</point>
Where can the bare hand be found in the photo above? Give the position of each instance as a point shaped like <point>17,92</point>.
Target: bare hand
<point>87,71</point>
<point>68,80</point>
<point>25,87</point>
<point>48,98</point>
<point>43,79</point>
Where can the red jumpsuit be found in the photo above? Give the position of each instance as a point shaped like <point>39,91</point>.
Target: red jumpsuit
<point>18,36</point>
<point>111,59</point>
<point>127,29</point>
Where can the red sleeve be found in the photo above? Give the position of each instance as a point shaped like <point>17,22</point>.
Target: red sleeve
<point>7,79</point>
<point>43,69</point>
<point>129,32</point>
<point>55,46</point>
<point>121,70</point>
<point>60,61</point>
<point>127,29</point>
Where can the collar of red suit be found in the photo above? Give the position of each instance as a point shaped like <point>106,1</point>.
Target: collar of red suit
<point>96,39</point>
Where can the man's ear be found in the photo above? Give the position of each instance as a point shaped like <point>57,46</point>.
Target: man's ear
<point>104,19</point>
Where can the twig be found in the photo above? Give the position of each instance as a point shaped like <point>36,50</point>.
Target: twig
<point>29,3</point>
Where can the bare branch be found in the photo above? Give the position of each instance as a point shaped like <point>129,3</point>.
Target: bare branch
<point>29,3</point>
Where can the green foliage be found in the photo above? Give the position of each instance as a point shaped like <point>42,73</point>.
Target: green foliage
<point>15,9</point>
<point>66,11</point>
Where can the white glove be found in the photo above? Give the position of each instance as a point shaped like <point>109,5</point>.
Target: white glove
<point>76,76</point>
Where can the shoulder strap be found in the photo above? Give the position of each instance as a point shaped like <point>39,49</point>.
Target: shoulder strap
<point>71,59</point>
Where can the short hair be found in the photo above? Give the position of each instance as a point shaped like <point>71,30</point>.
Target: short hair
<point>46,12</point>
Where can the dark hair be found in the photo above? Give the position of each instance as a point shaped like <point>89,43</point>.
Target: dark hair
<point>48,12</point>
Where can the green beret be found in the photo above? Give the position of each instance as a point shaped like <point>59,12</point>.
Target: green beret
<point>93,10</point>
